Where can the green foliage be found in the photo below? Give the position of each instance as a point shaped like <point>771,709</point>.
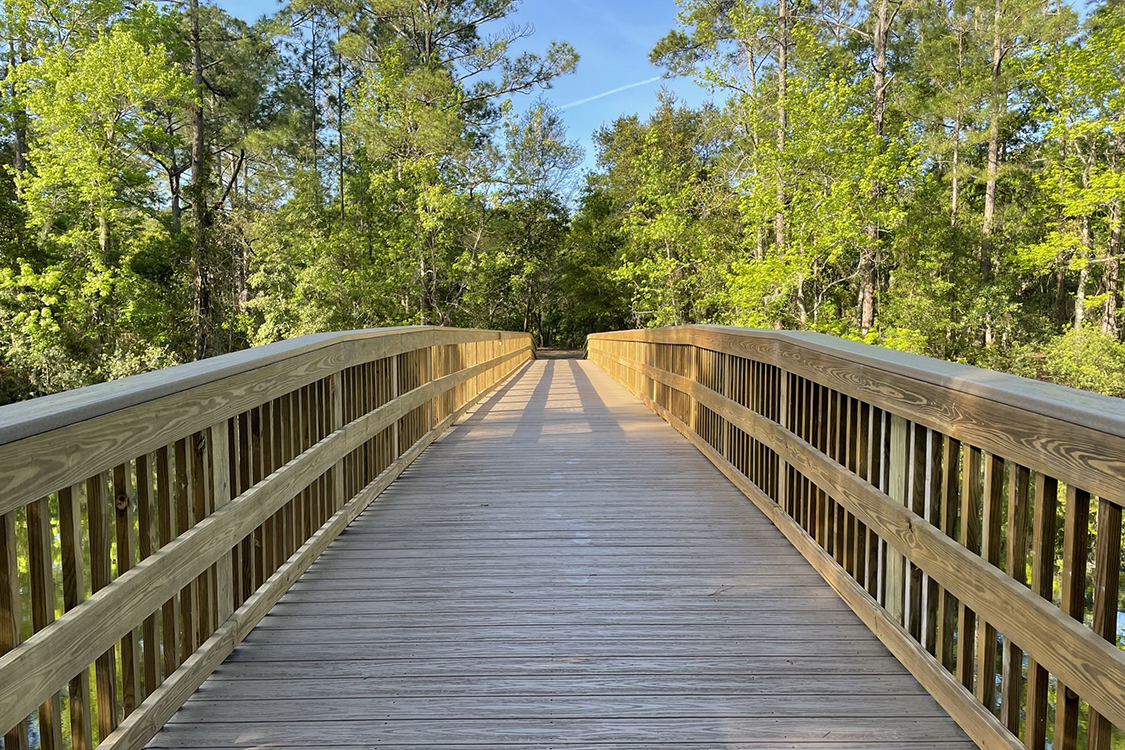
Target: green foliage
<point>361,164</point>
<point>1080,358</point>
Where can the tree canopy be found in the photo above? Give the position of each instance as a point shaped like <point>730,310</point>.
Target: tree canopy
<point>932,175</point>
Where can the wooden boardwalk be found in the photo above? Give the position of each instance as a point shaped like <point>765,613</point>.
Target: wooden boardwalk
<point>561,569</point>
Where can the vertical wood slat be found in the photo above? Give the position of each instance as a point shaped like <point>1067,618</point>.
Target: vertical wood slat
<point>970,539</point>
<point>253,473</point>
<point>246,556</point>
<point>1107,574</point>
<point>783,420</point>
<point>273,447</point>
<point>1011,681</point>
<point>934,490</point>
<point>233,479</point>
<point>874,462</point>
<point>219,446</point>
<point>11,616</point>
<point>42,583</point>
<point>74,592</point>
<point>895,562</point>
<point>1073,585</point>
<point>126,554</point>
<point>185,519</point>
<point>297,430</point>
<point>335,410</point>
<point>1045,530</point>
<point>146,528</point>
<point>990,551</point>
<point>204,588</point>
<point>863,416</point>
<point>917,483</point>
<point>166,506</point>
<point>852,524</point>
<point>287,537</point>
<point>950,513</point>
<point>105,667</point>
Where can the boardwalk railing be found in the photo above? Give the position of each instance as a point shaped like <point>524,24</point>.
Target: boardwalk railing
<point>164,514</point>
<point>971,519</point>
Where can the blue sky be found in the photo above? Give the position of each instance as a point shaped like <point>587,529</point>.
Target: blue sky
<point>613,40</point>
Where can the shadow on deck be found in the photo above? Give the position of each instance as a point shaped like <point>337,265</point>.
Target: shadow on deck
<point>561,568</point>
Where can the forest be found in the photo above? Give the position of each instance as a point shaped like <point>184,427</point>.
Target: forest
<point>939,176</point>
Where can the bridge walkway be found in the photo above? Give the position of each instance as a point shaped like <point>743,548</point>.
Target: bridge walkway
<point>561,569</point>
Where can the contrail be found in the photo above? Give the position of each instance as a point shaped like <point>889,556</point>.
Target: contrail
<point>611,91</point>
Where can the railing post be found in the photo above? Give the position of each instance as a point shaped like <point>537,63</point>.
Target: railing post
<point>783,420</point>
<point>896,563</point>
<point>394,395</point>
<point>429,377</point>
<point>336,394</point>
<point>220,486</point>
<point>10,616</point>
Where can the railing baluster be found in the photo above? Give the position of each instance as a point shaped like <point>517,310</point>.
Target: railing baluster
<point>126,554</point>
<point>990,551</point>
<point>970,539</point>
<point>166,505</point>
<point>917,503</point>
<point>896,563</point>
<point>1107,581</point>
<point>146,528</point>
<point>185,519</point>
<point>201,508</point>
<point>1019,481</point>
<point>220,494</point>
<point>105,668</point>
<point>1042,583</point>
<point>1073,587</point>
<point>950,517</point>
<point>74,592</point>
<point>932,513</point>
<point>42,584</point>
<point>11,618</point>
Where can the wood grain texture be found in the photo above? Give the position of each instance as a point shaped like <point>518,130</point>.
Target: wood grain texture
<point>42,665</point>
<point>980,724</point>
<point>1076,436</point>
<point>135,731</point>
<point>480,601</point>
<point>52,442</point>
<point>1064,646</point>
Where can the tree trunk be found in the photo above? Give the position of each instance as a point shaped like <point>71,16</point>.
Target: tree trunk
<point>201,310</point>
<point>997,105</point>
<point>177,207</point>
<point>19,121</point>
<point>1083,277</point>
<point>103,237</point>
<point>315,116</point>
<point>340,118</point>
<point>1113,266</point>
<point>955,201</point>
<point>782,119</point>
<point>879,35</point>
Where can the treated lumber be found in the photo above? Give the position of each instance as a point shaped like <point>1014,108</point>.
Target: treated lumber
<point>1065,647</point>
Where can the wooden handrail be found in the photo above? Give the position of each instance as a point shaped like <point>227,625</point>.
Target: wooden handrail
<point>213,486</point>
<point>924,492</point>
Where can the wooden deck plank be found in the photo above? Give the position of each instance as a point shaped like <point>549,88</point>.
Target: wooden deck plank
<point>561,569</point>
